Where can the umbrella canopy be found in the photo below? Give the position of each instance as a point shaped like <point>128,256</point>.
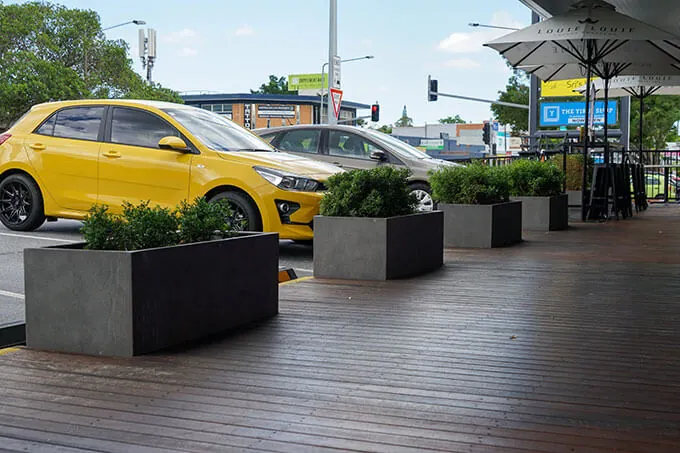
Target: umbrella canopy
<point>638,86</point>
<point>591,32</point>
<point>607,71</point>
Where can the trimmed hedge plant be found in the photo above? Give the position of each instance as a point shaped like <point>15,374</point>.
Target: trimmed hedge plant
<point>379,192</point>
<point>143,227</point>
<point>574,170</point>
<point>533,178</point>
<point>473,184</point>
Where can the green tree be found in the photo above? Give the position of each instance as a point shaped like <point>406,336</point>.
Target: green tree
<point>276,85</point>
<point>659,116</point>
<point>404,121</point>
<point>517,92</point>
<point>452,120</point>
<point>49,52</point>
<point>385,128</point>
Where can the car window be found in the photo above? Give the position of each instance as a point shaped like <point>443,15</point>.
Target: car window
<point>300,141</point>
<point>80,123</point>
<point>268,137</point>
<point>139,128</point>
<point>47,128</point>
<point>345,144</point>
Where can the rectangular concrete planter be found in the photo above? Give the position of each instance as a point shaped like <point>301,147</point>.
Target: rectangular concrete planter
<point>119,303</point>
<point>545,213</point>
<point>355,248</point>
<point>482,226</point>
<point>574,198</point>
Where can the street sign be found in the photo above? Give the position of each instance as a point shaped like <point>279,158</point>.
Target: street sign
<point>297,82</point>
<point>573,113</point>
<point>336,95</point>
<point>336,72</point>
<point>562,88</point>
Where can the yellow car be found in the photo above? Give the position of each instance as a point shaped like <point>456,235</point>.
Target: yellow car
<point>63,157</point>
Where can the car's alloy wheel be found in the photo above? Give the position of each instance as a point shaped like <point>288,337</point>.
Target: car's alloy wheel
<point>425,201</point>
<point>245,216</point>
<point>20,204</point>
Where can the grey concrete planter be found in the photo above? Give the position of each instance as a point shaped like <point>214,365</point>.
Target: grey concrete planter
<point>119,303</point>
<point>574,198</point>
<point>355,248</point>
<point>482,226</point>
<point>545,213</point>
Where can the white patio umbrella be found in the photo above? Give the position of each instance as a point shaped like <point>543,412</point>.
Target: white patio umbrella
<point>591,36</point>
<point>638,86</point>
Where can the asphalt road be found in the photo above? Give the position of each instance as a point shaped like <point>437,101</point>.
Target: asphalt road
<point>12,244</point>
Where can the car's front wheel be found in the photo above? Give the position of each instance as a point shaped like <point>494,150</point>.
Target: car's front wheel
<point>21,203</point>
<point>245,215</point>
<point>423,194</point>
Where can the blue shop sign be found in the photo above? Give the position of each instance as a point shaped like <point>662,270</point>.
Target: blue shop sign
<point>573,113</point>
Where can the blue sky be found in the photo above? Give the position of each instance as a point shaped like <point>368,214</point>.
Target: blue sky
<point>233,45</point>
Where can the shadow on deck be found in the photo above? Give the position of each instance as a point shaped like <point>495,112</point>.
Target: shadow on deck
<point>565,343</point>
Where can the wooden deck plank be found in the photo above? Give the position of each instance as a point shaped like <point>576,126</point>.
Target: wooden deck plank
<point>565,343</point>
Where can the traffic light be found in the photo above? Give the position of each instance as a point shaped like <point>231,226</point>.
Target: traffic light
<point>486,133</point>
<point>375,113</point>
<point>432,89</point>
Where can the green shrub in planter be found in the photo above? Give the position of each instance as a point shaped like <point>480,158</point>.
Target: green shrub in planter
<point>380,192</point>
<point>473,184</point>
<point>533,178</point>
<point>143,227</point>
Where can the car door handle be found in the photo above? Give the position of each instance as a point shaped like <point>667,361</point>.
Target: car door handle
<point>112,154</point>
<point>37,146</point>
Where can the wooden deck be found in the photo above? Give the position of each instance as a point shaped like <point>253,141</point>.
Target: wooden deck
<point>569,342</point>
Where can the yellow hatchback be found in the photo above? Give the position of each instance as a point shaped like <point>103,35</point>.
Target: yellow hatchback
<point>63,157</point>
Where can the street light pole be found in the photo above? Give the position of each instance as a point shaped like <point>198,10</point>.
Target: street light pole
<point>323,73</point>
<point>332,53</point>
<point>136,22</point>
<point>475,24</point>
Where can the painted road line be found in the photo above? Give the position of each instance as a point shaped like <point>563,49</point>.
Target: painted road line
<point>44,238</point>
<point>311,271</point>
<point>8,350</point>
<point>11,294</point>
<point>299,279</point>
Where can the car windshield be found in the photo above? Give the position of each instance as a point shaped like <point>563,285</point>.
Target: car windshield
<point>398,146</point>
<point>216,132</point>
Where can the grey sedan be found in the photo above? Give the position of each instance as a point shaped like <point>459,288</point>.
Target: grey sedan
<point>353,147</point>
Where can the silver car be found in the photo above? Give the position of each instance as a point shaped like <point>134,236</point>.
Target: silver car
<point>353,147</point>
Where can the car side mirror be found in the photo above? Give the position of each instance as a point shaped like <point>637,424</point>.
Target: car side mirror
<point>173,143</point>
<point>378,155</point>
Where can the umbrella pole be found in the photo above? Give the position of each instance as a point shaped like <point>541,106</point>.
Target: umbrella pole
<point>606,149</point>
<point>584,204</point>
<point>642,109</point>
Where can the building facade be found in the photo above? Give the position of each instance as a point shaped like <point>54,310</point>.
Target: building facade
<point>254,111</point>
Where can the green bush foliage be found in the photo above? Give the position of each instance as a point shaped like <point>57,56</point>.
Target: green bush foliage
<point>143,227</point>
<point>533,178</point>
<point>574,170</point>
<point>473,184</point>
<point>380,192</point>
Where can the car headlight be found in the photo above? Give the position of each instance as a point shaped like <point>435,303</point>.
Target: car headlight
<point>287,181</point>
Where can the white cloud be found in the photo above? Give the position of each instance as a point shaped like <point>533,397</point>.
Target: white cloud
<point>462,63</point>
<point>470,42</point>
<point>183,35</point>
<point>187,52</point>
<point>244,30</point>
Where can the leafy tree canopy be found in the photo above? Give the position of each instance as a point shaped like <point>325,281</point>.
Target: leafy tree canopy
<point>49,52</point>
<point>276,85</point>
<point>659,117</point>
<point>452,120</point>
<point>517,92</point>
